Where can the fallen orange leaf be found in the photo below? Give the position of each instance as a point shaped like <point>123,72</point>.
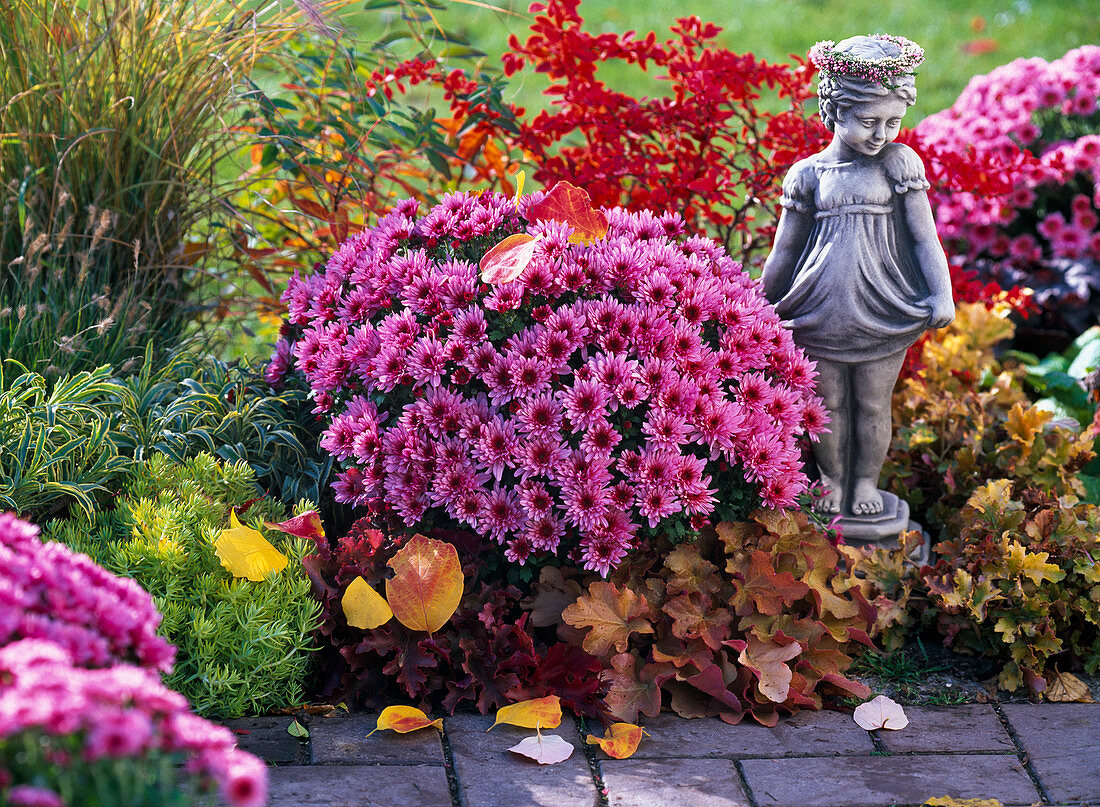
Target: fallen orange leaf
<point>427,584</point>
<point>620,741</point>
<point>880,713</point>
<point>246,553</point>
<point>363,606</point>
<point>507,260</point>
<point>1067,688</point>
<point>538,713</point>
<point>572,205</point>
<point>404,719</point>
<point>544,750</point>
<point>948,801</point>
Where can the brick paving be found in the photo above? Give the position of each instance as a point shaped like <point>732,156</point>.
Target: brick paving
<point>1019,754</point>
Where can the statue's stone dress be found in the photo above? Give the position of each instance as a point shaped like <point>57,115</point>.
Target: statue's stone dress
<point>854,292</point>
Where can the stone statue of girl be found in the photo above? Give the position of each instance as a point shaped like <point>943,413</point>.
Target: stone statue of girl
<point>857,270</point>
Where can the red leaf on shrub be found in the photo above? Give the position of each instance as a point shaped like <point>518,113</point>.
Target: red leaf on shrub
<point>310,208</point>
<point>507,260</point>
<point>573,206</point>
<point>306,525</point>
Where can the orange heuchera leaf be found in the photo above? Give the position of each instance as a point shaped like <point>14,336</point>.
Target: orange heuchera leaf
<point>767,660</point>
<point>620,741</point>
<point>404,719</point>
<point>307,525</point>
<point>544,750</point>
<point>427,583</point>
<point>612,615</point>
<point>880,713</point>
<point>246,553</point>
<point>538,713</point>
<point>507,260</point>
<point>363,606</point>
<point>573,206</point>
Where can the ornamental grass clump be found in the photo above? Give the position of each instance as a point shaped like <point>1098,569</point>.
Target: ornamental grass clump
<point>623,386</point>
<point>1043,231</point>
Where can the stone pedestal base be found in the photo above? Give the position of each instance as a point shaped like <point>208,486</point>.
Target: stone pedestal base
<point>883,528</point>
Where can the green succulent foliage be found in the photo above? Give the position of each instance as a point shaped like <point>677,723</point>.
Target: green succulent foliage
<point>243,647</point>
<point>58,446</point>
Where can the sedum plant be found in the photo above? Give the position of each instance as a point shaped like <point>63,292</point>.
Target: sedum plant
<point>243,647</point>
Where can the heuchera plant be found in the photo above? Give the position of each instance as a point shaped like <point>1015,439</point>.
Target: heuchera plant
<point>631,385</point>
<point>1043,231</point>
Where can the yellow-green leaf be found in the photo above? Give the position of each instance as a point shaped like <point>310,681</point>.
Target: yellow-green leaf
<point>620,741</point>
<point>427,584</point>
<point>296,729</point>
<point>538,713</point>
<point>363,606</point>
<point>404,719</point>
<point>246,553</point>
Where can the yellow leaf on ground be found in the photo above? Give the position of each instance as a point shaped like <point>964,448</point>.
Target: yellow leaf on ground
<point>947,801</point>
<point>544,750</point>
<point>1067,688</point>
<point>404,719</point>
<point>538,713</point>
<point>880,713</point>
<point>620,741</point>
<point>427,584</point>
<point>246,553</point>
<point>363,606</point>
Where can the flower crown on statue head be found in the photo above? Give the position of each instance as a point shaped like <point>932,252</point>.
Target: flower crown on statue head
<point>880,71</point>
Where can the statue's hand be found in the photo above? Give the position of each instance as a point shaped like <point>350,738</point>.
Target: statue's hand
<point>941,310</point>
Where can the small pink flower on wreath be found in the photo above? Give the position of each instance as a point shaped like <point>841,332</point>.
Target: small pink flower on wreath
<point>879,71</point>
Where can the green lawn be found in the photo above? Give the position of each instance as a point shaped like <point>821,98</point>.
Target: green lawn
<point>774,29</point>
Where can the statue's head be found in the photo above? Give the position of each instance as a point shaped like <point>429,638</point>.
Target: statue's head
<point>862,69</point>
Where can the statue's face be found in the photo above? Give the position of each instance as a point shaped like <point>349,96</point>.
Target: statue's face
<point>868,126</point>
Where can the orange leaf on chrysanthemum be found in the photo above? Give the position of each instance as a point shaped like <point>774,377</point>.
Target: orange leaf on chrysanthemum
<point>507,260</point>
<point>537,713</point>
<point>427,583</point>
<point>404,719</point>
<point>573,206</point>
<point>620,741</point>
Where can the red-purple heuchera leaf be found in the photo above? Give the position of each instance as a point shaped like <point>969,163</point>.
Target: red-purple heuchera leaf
<point>569,204</point>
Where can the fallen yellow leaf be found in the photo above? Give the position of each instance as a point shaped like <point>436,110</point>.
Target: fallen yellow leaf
<point>404,719</point>
<point>246,553</point>
<point>538,713</point>
<point>1067,688</point>
<point>620,741</point>
<point>947,801</point>
<point>363,606</point>
<point>426,587</point>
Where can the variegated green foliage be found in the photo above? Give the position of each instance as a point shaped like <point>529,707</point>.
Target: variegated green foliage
<point>58,446</point>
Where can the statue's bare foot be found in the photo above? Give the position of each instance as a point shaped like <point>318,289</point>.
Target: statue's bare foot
<point>866,500</point>
<point>834,493</point>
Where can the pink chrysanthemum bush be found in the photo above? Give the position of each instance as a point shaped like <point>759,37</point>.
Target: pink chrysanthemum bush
<point>631,385</point>
<point>1044,233</point>
<point>84,717</point>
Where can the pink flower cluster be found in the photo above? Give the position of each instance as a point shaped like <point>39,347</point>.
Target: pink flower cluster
<point>1052,214</point>
<point>615,386</point>
<point>49,592</point>
<point>123,712</point>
